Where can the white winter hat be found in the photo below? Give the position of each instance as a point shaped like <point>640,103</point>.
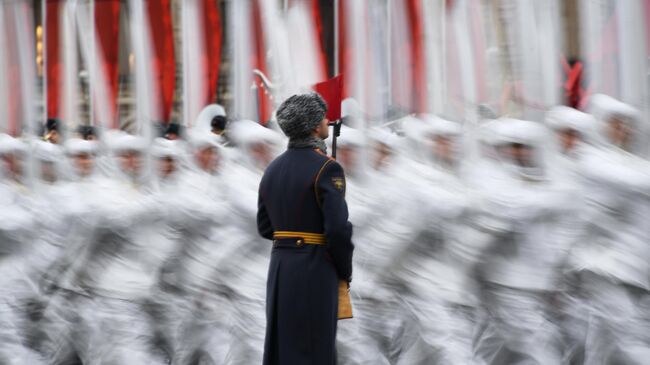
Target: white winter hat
<point>163,147</point>
<point>78,146</point>
<point>201,139</point>
<point>437,126</point>
<point>246,132</point>
<point>604,107</point>
<point>510,130</point>
<point>127,143</point>
<point>350,137</point>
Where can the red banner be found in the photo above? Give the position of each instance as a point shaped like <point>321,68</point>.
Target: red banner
<point>213,34</point>
<point>107,24</point>
<point>53,58</point>
<point>414,12</point>
<point>330,91</point>
<point>163,62</point>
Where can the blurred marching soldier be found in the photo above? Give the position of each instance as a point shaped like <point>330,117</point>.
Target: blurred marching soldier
<point>610,261</point>
<point>168,303</point>
<point>112,270</point>
<point>302,209</point>
<point>254,148</point>
<point>60,323</point>
<point>200,308</point>
<point>519,220</point>
<point>52,227</point>
<point>17,227</point>
<point>362,341</point>
<point>435,269</point>
<point>575,134</point>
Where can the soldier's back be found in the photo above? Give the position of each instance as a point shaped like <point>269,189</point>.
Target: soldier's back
<point>289,192</point>
<point>302,284</point>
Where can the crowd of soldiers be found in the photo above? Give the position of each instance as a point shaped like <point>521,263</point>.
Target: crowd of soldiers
<point>504,242</point>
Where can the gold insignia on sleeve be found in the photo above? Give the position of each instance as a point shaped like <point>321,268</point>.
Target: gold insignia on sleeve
<point>339,183</point>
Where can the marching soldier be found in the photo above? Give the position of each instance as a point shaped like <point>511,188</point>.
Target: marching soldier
<point>302,209</point>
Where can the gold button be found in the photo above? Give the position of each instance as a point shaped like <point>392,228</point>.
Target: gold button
<point>299,242</point>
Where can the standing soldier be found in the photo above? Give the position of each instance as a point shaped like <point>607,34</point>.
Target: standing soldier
<point>302,209</point>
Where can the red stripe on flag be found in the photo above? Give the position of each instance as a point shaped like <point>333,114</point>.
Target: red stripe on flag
<point>107,24</point>
<point>163,62</point>
<point>53,59</point>
<point>417,55</point>
<point>213,34</point>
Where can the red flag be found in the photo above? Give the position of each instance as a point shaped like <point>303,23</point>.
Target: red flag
<point>331,91</point>
<point>163,63</point>
<point>107,20</point>
<point>414,11</point>
<point>212,26</point>
<point>53,59</point>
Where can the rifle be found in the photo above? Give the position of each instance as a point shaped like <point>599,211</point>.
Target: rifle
<point>337,132</point>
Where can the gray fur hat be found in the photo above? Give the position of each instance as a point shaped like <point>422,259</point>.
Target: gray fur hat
<point>300,114</point>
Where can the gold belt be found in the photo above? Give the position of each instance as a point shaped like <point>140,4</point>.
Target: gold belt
<point>303,237</point>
